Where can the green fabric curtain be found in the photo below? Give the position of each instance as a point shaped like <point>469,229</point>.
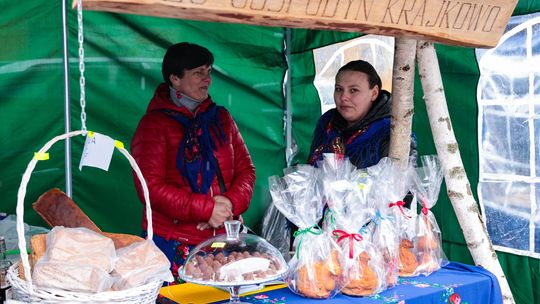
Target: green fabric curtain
<point>123,56</point>
<point>123,66</point>
<point>31,94</point>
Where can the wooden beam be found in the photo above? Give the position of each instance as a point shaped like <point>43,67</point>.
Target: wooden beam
<point>477,23</point>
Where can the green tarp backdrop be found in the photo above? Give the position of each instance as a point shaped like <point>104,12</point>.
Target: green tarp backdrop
<point>123,56</point>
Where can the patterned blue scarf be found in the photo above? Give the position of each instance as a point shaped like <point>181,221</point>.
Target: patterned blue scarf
<point>195,156</point>
<point>364,147</point>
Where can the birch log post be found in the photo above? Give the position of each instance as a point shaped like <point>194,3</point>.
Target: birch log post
<point>402,100</point>
<point>457,183</point>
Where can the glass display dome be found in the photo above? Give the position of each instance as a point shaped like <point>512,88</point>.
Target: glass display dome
<point>232,260</point>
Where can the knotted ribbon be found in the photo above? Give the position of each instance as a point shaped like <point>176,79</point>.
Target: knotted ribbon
<point>400,205</point>
<point>302,232</point>
<point>424,209</point>
<point>340,234</point>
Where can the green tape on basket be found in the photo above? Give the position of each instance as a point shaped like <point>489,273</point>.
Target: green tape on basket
<point>41,156</point>
<point>300,234</point>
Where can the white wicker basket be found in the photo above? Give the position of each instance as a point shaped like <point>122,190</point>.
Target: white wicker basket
<point>26,291</point>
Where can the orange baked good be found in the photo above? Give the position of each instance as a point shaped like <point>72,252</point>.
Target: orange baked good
<point>318,280</point>
<point>428,247</point>
<point>427,242</point>
<point>407,260</point>
<point>428,263</point>
<point>364,282</point>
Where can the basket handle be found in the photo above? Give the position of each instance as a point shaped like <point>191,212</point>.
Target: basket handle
<point>26,178</point>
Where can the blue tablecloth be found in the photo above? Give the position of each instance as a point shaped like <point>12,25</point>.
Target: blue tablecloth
<point>454,283</point>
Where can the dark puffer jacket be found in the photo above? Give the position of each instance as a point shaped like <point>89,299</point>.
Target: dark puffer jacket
<point>176,210</point>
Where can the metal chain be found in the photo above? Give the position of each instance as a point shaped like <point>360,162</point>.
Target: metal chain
<point>81,64</point>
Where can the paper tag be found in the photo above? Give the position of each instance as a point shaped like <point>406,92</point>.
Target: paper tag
<point>97,152</point>
<point>218,244</point>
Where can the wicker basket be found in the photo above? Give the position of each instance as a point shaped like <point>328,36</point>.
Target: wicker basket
<point>26,291</point>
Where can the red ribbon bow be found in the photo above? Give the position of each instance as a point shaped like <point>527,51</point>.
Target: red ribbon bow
<point>400,205</point>
<point>423,202</point>
<point>340,234</point>
<point>424,209</point>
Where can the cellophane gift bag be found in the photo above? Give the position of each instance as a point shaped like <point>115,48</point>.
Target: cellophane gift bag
<point>426,186</point>
<point>393,226</point>
<point>333,167</point>
<point>314,268</point>
<point>276,229</point>
<point>363,267</point>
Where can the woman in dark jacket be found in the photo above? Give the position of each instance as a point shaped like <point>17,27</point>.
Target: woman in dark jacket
<point>198,170</point>
<point>359,126</point>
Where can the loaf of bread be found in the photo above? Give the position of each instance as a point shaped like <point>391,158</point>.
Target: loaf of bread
<point>71,277</point>
<point>139,264</point>
<point>122,240</point>
<point>38,245</point>
<point>58,209</point>
<point>80,246</point>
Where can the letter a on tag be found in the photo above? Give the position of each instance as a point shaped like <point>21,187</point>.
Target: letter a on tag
<point>97,152</point>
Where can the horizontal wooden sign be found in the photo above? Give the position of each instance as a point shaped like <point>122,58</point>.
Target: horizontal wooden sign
<point>478,23</point>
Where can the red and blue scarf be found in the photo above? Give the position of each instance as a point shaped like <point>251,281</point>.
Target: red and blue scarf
<point>195,156</point>
<point>364,147</point>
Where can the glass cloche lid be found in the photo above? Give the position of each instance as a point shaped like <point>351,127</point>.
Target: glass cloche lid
<point>233,259</point>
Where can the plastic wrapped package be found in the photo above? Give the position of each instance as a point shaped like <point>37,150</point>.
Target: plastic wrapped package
<point>363,268</point>
<point>393,224</point>
<point>140,263</point>
<point>276,230</point>
<point>80,246</point>
<point>334,168</point>
<point>71,277</point>
<point>314,268</point>
<point>76,259</point>
<point>426,186</point>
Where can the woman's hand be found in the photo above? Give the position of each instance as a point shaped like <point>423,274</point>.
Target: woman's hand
<point>203,226</point>
<point>221,213</point>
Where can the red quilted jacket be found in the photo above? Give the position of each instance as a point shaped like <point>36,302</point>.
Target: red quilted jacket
<point>176,210</point>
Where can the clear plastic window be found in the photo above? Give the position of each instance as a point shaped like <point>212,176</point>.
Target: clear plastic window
<point>377,50</point>
<point>509,137</point>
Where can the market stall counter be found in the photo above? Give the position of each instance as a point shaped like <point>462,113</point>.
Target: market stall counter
<point>454,283</point>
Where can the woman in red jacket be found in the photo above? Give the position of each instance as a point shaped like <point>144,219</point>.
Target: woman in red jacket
<point>192,156</point>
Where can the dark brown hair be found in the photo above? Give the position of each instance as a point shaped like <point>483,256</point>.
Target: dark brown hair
<point>364,67</point>
<point>184,56</point>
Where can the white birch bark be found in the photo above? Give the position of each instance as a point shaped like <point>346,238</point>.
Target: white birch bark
<point>457,183</point>
<point>402,100</point>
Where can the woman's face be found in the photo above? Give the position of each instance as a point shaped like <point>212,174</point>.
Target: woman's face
<point>352,95</point>
<point>194,83</point>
